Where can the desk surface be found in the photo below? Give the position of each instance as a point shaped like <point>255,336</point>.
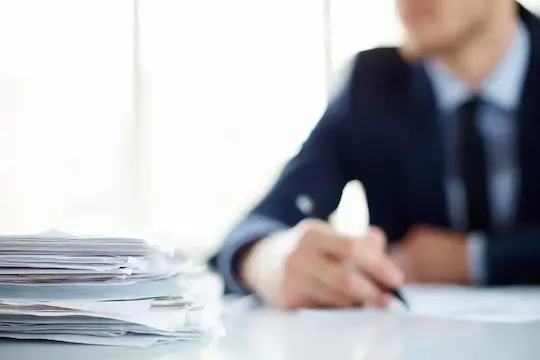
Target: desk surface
<point>273,335</point>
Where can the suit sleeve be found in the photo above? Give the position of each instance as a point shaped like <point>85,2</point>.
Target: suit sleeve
<point>316,173</point>
<point>513,257</point>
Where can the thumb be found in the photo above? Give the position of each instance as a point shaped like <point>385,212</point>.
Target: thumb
<point>377,238</point>
<point>372,244</point>
<point>400,257</point>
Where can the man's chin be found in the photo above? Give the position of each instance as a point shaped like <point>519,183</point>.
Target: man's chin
<point>413,52</point>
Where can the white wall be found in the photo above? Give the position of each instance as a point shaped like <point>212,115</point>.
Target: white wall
<point>173,115</point>
<point>228,95</point>
<point>65,110</point>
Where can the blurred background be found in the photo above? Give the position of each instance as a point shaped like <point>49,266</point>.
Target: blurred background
<point>169,116</point>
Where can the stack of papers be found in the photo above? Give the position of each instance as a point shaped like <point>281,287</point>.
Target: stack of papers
<point>102,290</point>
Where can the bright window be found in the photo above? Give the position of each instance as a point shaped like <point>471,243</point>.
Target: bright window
<point>169,115</point>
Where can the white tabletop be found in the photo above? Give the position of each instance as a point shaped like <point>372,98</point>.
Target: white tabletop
<point>265,334</point>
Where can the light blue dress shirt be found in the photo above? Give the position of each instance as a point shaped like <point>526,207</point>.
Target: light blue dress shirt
<point>497,122</point>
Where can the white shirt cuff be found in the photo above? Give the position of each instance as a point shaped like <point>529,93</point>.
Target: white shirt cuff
<point>476,253</point>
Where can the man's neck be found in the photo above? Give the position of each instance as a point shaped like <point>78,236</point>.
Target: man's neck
<point>474,62</point>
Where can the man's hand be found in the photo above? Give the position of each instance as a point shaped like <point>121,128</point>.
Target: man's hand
<point>311,266</point>
<point>429,254</point>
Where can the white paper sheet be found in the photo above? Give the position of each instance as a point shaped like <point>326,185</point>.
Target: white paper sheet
<point>60,272</point>
<point>64,259</point>
<point>59,243</point>
<point>495,305</point>
<point>108,307</point>
<point>502,305</point>
<point>162,318</point>
<point>95,291</point>
<point>127,340</point>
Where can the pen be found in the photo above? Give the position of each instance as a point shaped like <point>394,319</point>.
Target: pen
<point>305,204</point>
<point>398,295</point>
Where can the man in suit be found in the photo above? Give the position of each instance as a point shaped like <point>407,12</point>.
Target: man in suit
<point>444,134</point>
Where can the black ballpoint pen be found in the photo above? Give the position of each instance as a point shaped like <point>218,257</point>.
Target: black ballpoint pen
<point>398,295</point>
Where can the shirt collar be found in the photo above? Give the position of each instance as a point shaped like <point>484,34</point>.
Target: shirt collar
<point>501,88</point>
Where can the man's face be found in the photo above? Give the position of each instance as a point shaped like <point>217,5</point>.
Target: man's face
<point>435,26</point>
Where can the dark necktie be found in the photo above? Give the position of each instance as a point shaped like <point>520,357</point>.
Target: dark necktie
<point>473,166</point>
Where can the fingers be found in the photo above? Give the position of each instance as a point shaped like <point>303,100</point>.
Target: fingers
<point>317,273</point>
<point>323,295</point>
<point>383,271</point>
<point>311,292</point>
<point>400,257</point>
<point>377,272</point>
<point>372,260</point>
<point>337,277</point>
<point>377,238</point>
<point>320,238</point>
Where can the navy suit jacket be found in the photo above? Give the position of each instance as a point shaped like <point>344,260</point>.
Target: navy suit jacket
<point>382,129</point>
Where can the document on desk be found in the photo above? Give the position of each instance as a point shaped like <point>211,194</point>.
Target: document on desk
<point>102,290</point>
<point>502,305</point>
